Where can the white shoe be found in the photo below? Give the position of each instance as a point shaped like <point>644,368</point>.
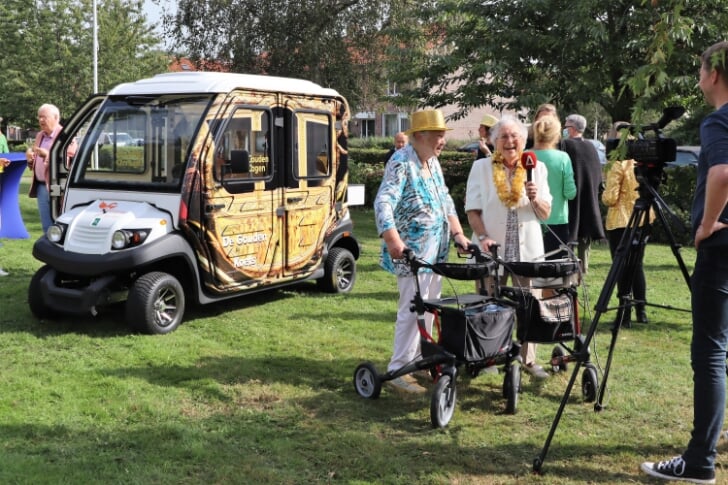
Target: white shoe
<point>536,371</point>
<point>406,384</point>
<point>3,273</point>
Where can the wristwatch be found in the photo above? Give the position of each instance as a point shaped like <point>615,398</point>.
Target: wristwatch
<point>482,237</point>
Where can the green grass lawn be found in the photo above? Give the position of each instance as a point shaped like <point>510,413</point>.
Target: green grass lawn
<point>259,390</point>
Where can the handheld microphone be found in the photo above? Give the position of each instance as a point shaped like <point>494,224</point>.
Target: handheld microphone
<point>528,160</point>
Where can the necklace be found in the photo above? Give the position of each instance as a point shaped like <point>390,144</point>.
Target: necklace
<point>508,195</point>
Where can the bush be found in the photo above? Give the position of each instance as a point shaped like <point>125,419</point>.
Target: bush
<point>366,167</point>
<point>677,190</point>
<point>381,142</point>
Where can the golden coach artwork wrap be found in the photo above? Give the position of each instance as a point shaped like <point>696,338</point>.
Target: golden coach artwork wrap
<point>272,208</point>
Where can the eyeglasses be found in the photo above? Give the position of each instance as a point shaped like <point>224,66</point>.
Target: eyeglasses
<point>568,126</point>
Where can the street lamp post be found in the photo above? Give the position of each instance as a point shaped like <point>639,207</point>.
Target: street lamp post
<point>96,51</point>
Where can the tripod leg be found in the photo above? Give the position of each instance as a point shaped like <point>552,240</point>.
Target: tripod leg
<point>623,263</point>
<point>624,312</point>
<point>538,461</point>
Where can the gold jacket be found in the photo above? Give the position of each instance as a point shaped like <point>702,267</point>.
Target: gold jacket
<point>620,195</point>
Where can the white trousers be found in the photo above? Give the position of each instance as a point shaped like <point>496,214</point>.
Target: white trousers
<point>406,334</point>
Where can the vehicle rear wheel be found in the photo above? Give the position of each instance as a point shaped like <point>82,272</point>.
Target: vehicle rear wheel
<point>35,296</point>
<point>156,303</point>
<point>339,271</point>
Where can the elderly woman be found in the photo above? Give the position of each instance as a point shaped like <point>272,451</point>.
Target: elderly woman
<point>414,209</point>
<point>504,208</point>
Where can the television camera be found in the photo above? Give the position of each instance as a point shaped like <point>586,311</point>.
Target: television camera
<point>648,147</point>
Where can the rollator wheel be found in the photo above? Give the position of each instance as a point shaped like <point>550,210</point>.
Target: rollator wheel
<point>366,381</point>
<point>511,387</point>
<point>442,404</point>
<point>589,383</point>
<point>557,355</point>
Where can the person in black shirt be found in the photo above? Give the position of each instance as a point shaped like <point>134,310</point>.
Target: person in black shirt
<point>585,217</point>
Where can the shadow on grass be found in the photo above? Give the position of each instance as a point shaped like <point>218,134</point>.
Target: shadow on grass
<point>109,322</point>
<point>335,420</point>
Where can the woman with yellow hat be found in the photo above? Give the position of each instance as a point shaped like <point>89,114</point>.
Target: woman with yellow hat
<point>485,147</point>
<point>413,209</point>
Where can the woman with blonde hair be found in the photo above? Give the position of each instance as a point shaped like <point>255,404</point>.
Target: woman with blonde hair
<point>546,136</point>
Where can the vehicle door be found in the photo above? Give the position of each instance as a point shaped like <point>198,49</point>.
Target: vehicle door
<point>308,208</point>
<point>64,149</point>
<point>240,210</point>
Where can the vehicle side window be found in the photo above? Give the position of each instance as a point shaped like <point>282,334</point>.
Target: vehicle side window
<point>242,150</point>
<point>314,145</point>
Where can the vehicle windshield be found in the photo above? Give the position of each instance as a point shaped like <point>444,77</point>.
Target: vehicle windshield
<point>138,140</point>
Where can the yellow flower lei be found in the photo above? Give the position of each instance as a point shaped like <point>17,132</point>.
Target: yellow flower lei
<point>508,195</point>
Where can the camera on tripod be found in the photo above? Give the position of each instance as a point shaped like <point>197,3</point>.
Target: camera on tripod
<point>648,147</point>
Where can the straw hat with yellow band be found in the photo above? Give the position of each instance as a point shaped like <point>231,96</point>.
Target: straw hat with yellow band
<point>427,120</point>
<point>489,121</point>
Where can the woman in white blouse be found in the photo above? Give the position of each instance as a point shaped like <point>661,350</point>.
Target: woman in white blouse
<point>504,208</point>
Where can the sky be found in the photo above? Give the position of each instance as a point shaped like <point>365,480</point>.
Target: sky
<point>154,12</point>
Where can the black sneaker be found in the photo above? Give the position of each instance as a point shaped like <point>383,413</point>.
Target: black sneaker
<point>676,469</point>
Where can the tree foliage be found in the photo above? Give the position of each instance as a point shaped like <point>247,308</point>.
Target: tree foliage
<point>336,43</point>
<point>516,54</point>
<point>48,52</point>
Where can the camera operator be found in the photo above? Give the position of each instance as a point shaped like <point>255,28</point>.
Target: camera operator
<point>709,283</point>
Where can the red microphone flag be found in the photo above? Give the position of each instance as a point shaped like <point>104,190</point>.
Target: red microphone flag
<point>528,160</point>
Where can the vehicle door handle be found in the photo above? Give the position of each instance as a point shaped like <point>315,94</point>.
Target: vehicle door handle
<point>294,200</point>
<point>214,207</point>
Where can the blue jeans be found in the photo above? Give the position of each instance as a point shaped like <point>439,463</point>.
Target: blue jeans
<point>709,288</point>
<point>44,207</point>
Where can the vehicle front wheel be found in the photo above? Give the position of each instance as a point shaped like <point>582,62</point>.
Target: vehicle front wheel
<point>339,271</point>
<point>156,303</point>
<point>35,297</point>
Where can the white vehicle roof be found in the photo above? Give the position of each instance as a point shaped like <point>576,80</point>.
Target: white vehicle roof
<point>219,82</point>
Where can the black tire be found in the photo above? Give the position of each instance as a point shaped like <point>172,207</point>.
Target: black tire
<point>442,403</point>
<point>339,271</point>
<point>511,387</point>
<point>558,353</point>
<point>35,296</point>
<point>156,303</point>
<point>366,381</point>
<point>589,383</point>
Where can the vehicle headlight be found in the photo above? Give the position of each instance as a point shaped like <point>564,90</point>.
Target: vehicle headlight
<point>119,240</point>
<point>57,233</point>
<point>128,238</point>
